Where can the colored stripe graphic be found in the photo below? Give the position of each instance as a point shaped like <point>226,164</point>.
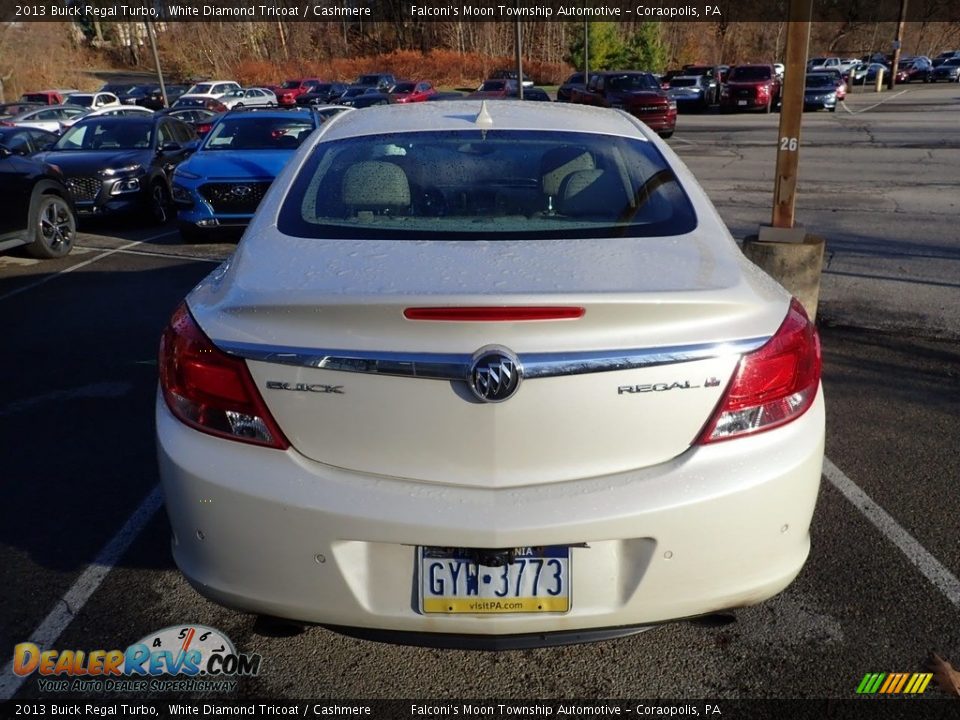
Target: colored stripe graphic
<point>894,683</point>
<point>900,683</point>
<point>890,683</point>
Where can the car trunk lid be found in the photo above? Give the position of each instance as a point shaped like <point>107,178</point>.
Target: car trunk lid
<point>355,384</point>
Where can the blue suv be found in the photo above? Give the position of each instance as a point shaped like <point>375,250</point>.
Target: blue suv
<point>223,182</point>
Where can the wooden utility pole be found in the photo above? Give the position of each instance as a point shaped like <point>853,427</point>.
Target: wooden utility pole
<point>586,52</point>
<point>518,42</point>
<point>791,113</point>
<point>897,42</point>
<point>151,35</point>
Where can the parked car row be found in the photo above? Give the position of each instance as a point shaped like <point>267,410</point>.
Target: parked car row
<point>910,68</point>
<point>210,158</point>
<point>212,169</point>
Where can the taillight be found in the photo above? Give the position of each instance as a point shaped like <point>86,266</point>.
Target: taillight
<point>772,385</point>
<point>210,390</point>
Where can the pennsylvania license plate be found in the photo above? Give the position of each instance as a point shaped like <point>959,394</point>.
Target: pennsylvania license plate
<point>454,582</point>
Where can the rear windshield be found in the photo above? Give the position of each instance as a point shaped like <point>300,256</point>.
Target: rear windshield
<point>635,81</point>
<point>192,115</point>
<point>750,73</point>
<point>817,81</point>
<point>684,82</point>
<point>79,100</point>
<point>493,185</point>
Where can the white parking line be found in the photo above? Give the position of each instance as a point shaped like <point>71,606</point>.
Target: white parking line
<point>932,569</point>
<point>101,256</point>
<point>94,390</point>
<point>871,107</point>
<point>69,606</point>
<point>170,256</point>
<point>76,597</point>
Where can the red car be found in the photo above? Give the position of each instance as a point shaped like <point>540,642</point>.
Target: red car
<point>407,91</point>
<point>290,90</point>
<point>46,97</point>
<point>637,93</point>
<point>751,87</point>
<point>494,90</point>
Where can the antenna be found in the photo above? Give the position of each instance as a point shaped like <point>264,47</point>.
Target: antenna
<point>483,120</point>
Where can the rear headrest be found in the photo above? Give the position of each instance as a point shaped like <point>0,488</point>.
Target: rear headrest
<point>594,193</point>
<point>374,184</point>
<point>558,163</point>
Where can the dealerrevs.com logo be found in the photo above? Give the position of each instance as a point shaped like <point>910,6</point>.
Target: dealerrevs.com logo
<point>181,658</point>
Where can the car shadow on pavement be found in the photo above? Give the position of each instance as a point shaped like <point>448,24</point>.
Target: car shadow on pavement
<point>77,409</point>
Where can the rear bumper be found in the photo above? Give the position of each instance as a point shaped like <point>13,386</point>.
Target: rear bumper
<point>743,103</point>
<point>271,532</point>
<point>809,104</point>
<point>521,641</point>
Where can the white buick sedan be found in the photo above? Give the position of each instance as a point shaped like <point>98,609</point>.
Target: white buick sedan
<point>489,376</point>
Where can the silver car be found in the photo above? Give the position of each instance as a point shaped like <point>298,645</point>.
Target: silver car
<point>250,97</point>
<point>48,118</point>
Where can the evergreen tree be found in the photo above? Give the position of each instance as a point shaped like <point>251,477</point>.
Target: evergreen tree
<point>644,49</point>
<point>606,48</point>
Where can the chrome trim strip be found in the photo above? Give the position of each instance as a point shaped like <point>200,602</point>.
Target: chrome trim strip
<point>440,366</point>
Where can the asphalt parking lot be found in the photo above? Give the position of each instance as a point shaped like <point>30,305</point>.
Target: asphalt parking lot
<point>84,543</point>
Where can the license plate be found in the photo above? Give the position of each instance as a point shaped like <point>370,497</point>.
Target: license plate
<point>454,582</point>
<point>741,102</point>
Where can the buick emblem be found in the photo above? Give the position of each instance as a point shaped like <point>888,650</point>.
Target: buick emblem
<point>240,191</point>
<point>495,374</point>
